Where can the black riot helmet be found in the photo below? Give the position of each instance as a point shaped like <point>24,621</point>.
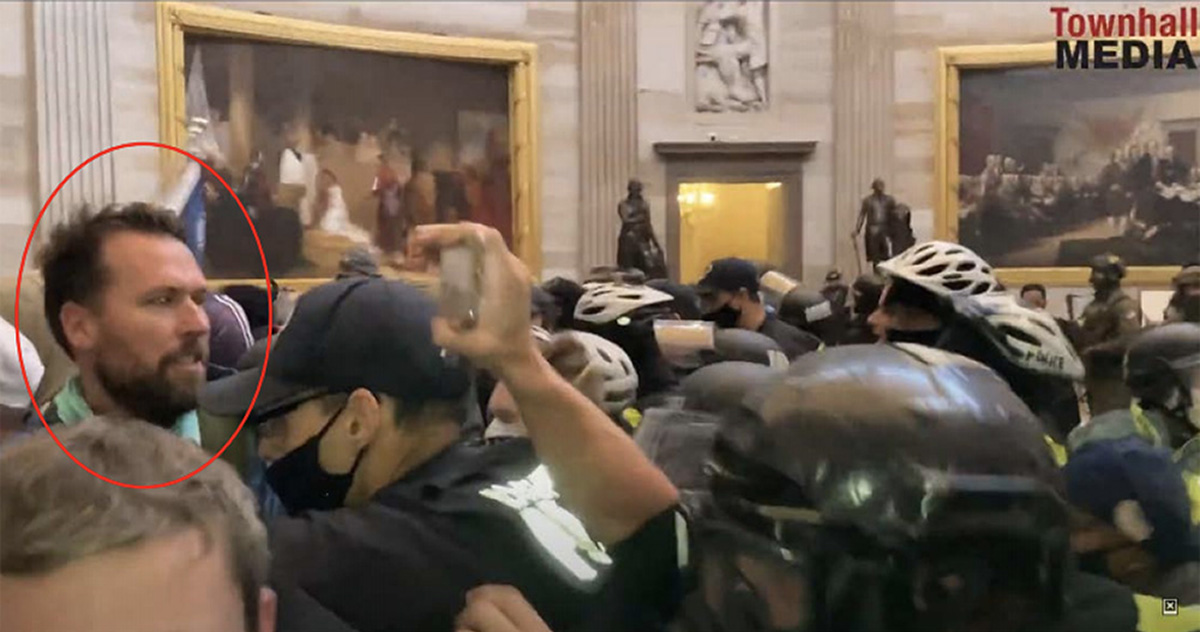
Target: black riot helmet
<point>866,291</point>
<point>1107,271</point>
<point>722,386</point>
<point>743,345</point>
<point>810,311</point>
<point>882,487</point>
<point>566,294</point>
<point>1162,366</point>
<point>686,304</point>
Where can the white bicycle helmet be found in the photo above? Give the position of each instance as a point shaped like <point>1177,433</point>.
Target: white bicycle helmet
<point>1028,338</point>
<point>942,268</point>
<point>607,302</point>
<point>618,380</point>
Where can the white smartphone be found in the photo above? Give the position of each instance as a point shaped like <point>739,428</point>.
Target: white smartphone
<point>458,294</point>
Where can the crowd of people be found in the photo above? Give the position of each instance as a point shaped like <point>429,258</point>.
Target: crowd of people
<point>917,450</point>
<point>1144,191</point>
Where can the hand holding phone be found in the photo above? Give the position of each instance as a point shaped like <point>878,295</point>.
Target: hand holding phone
<point>459,292</point>
<point>484,307</point>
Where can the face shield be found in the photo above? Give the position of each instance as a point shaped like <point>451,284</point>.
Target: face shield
<point>775,286</point>
<point>683,342</point>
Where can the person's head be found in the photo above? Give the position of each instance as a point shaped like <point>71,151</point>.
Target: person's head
<point>625,315</point>
<point>810,311</point>
<point>729,294</point>
<point>634,187</point>
<point>1137,492</point>
<point>1107,272</point>
<point>1162,370</point>
<point>846,498</point>
<point>877,186</point>
<point>355,395</point>
<point>124,297</point>
<point>543,310</point>
<point>325,179</point>
<point>833,277</point>
<point>358,262</point>
<point>686,304</point>
<point>1185,301</point>
<point>921,282</point>
<point>596,367</point>
<point>566,294</point>
<point>865,293</point>
<point>1034,295</point>
<point>77,552</point>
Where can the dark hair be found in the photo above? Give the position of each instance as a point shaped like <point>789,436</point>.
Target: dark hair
<point>71,261</point>
<point>1036,287</point>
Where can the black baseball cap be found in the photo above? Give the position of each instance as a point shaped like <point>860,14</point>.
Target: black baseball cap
<point>364,332</point>
<point>729,275</point>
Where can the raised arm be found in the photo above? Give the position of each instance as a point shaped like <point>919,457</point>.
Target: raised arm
<point>598,470</point>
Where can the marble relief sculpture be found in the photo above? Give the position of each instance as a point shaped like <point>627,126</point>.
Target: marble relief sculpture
<point>731,56</point>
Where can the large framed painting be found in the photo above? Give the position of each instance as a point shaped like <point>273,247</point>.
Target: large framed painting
<point>1039,169</point>
<point>339,138</point>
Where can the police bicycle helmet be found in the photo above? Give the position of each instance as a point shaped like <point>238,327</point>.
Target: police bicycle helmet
<point>1027,338</point>
<point>943,268</point>
<point>618,381</point>
<point>882,487</point>
<point>605,303</point>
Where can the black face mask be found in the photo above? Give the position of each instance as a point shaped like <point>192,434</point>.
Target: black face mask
<point>724,317</point>
<point>302,484</point>
<point>924,337</point>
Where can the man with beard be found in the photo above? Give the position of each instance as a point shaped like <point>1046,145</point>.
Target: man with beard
<point>125,298</point>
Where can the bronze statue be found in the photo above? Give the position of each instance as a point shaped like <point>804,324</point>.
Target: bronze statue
<point>876,212</point>
<point>900,232</point>
<point>637,247</point>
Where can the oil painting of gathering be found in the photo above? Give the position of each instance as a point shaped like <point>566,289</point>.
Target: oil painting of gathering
<point>1058,167</point>
<point>333,150</point>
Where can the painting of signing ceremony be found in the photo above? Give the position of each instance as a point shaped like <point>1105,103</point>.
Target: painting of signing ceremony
<point>1057,167</point>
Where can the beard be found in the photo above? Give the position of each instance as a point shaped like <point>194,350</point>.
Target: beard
<point>150,394</point>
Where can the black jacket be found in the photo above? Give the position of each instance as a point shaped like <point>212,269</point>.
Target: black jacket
<point>405,560</point>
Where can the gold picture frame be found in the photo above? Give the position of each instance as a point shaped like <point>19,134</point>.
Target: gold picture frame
<point>175,19</point>
<point>951,61</point>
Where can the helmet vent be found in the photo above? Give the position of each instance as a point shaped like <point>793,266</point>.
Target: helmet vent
<point>1024,337</point>
<point>934,270</point>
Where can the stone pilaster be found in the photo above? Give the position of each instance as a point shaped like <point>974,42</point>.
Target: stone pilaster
<point>863,93</point>
<point>608,124</point>
<point>74,105</point>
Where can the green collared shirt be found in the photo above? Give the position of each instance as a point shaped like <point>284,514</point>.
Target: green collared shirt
<point>72,409</point>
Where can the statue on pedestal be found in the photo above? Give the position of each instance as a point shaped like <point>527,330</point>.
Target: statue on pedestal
<point>637,247</point>
<point>876,211</point>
